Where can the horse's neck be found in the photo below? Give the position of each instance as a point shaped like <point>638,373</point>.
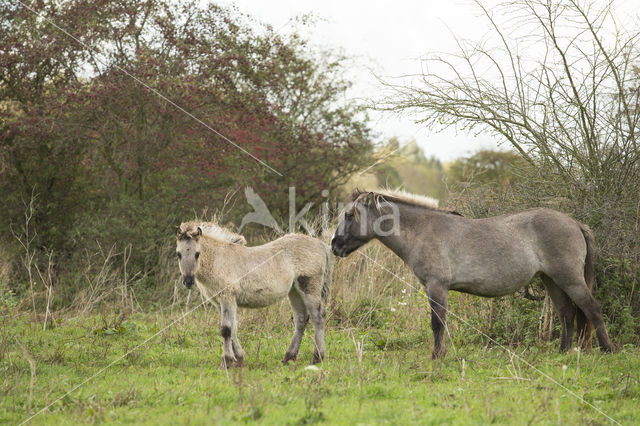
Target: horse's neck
<point>214,251</point>
<point>397,244</point>
<point>402,242</point>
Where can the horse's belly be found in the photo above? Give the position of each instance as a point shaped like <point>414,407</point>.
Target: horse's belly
<point>487,289</point>
<point>260,297</point>
<point>496,272</point>
<point>258,300</point>
<point>493,283</point>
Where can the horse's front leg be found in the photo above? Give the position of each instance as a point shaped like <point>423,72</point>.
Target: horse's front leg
<point>228,330</point>
<point>235,344</point>
<point>438,295</point>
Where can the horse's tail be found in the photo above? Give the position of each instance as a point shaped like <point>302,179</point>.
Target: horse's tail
<point>583,324</point>
<point>326,277</point>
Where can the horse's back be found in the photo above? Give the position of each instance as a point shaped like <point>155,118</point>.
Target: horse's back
<point>548,234</point>
<point>496,255</point>
<point>308,255</point>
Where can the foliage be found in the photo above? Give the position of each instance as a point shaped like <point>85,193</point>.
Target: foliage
<point>499,168</point>
<point>148,111</point>
<point>403,166</point>
<point>571,110</point>
<point>618,286</point>
<point>562,91</point>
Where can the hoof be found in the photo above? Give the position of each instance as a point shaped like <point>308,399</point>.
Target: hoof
<point>228,362</point>
<point>606,349</point>
<point>289,357</point>
<point>317,358</point>
<point>438,354</point>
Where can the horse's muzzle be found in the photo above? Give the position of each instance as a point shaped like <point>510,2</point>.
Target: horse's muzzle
<point>337,248</point>
<point>188,281</point>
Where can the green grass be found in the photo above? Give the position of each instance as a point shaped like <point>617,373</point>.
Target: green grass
<point>176,377</point>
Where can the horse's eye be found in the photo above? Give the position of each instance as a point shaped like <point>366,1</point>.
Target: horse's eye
<point>197,255</point>
<point>179,255</point>
<point>348,215</point>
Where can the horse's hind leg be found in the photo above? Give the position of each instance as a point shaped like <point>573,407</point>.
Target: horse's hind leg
<point>566,311</point>
<point>318,316</point>
<point>583,328</point>
<point>300,317</point>
<point>310,289</point>
<point>581,296</point>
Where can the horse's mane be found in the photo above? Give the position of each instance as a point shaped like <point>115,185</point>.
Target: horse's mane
<point>402,196</point>
<point>211,230</point>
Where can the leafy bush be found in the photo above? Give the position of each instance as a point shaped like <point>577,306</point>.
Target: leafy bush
<point>114,164</point>
<point>617,287</point>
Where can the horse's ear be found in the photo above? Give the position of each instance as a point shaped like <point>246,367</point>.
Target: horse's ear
<point>239,240</point>
<point>369,198</point>
<point>355,194</point>
<point>198,232</point>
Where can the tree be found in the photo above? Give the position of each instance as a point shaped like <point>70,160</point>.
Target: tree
<point>569,105</point>
<point>557,88</point>
<point>563,91</point>
<point>133,115</point>
<point>497,168</point>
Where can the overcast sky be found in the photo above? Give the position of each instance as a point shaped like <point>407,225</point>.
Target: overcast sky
<point>390,37</point>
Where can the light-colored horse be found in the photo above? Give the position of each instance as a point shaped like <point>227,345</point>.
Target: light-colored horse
<point>487,257</point>
<point>231,274</point>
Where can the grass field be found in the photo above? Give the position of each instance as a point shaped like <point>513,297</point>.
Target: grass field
<point>155,365</point>
<point>176,377</point>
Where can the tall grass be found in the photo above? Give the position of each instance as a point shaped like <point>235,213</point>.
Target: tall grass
<point>373,295</point>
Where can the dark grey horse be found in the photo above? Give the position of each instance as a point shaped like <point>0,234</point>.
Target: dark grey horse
<point>487,257</point>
